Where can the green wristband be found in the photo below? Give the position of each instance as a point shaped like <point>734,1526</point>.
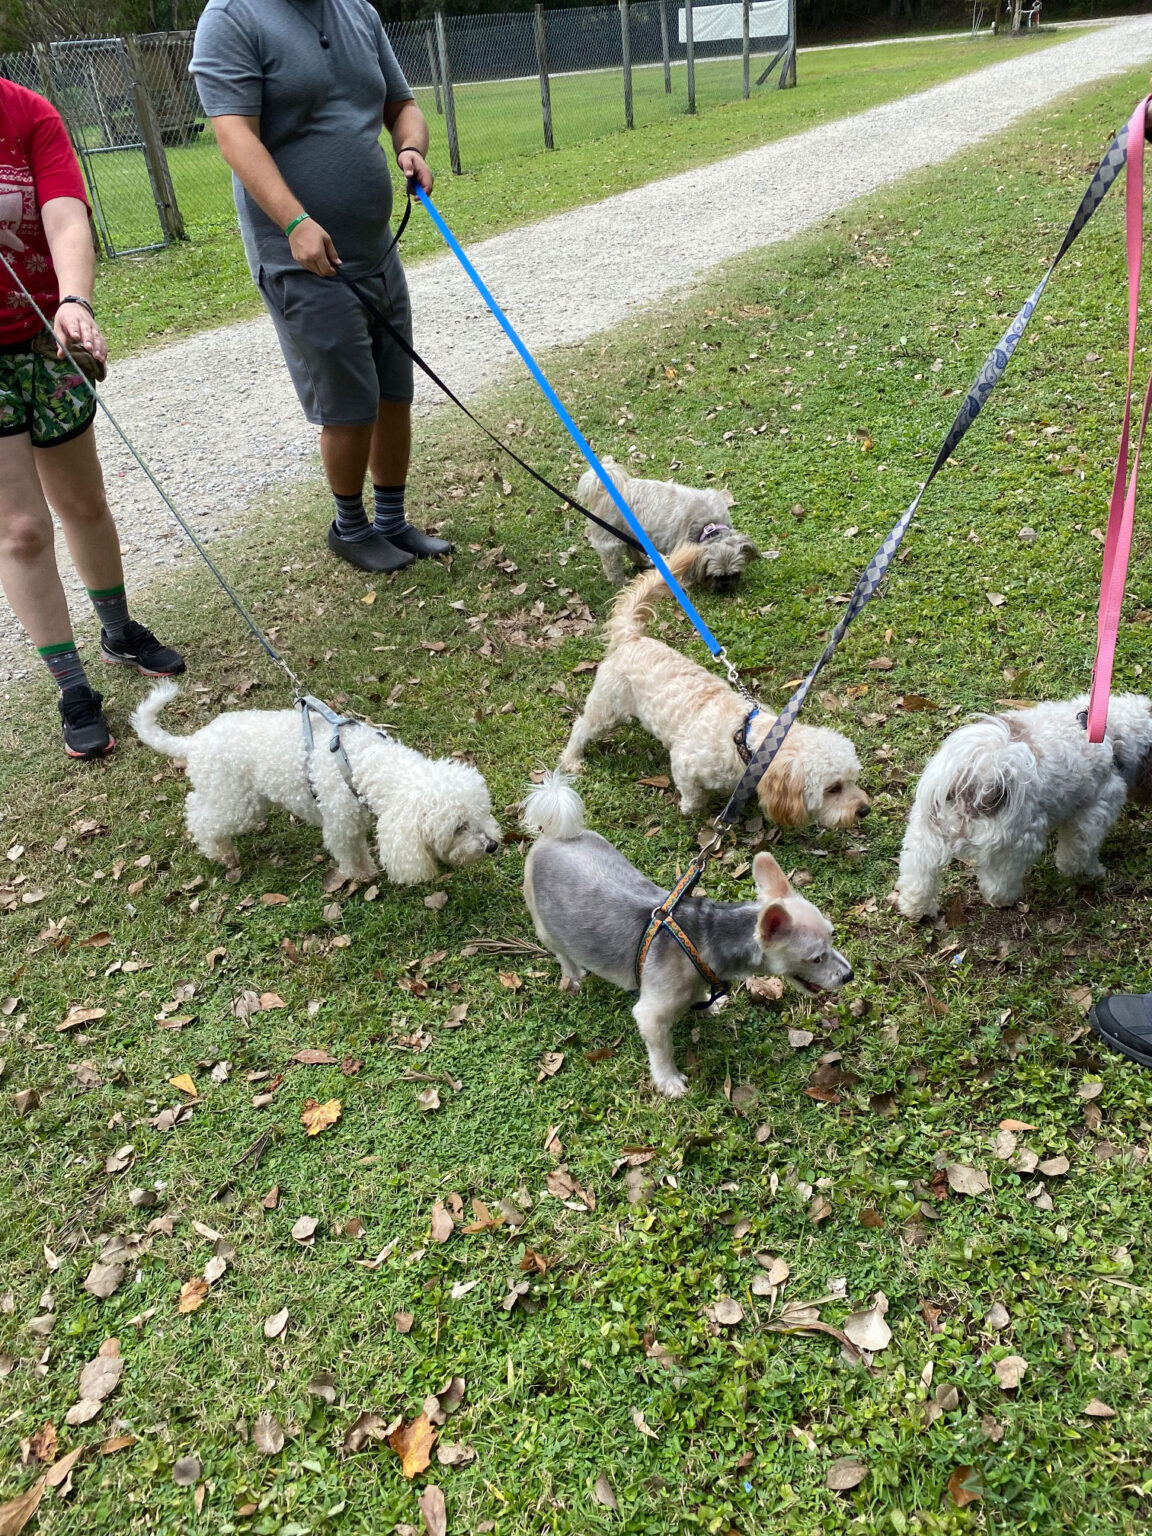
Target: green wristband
<point>299,219</point>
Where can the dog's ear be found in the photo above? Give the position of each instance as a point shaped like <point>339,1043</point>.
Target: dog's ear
<point>781,793</point>
<point>773,923</point>
<point>404,855</point>
<point>771,881</point>
<point>726,497</point>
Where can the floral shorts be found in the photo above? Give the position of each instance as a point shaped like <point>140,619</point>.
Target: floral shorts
<point>44,396</point>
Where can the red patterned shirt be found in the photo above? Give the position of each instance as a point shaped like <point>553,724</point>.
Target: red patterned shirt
<point>36,165</point>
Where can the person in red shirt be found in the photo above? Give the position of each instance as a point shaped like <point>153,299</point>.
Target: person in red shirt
<point>47,443</point>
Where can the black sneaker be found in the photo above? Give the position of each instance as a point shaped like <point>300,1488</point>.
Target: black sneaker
<point>86,732</point>
<point>416,542</point>
<point>375,553</point>
<point>138,647</point>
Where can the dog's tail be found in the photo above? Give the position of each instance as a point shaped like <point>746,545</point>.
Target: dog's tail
<point>144,722</point>
<point>635,608</point>
<point>592,493</point>
<point>982,773</point>
<point>553,809</point>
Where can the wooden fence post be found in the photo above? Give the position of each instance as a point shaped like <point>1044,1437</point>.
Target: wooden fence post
<point>626,57</point>
<point>541,35</point>
<point>746,38</point>
<point>432,70</point>
<point>152,141</point>
<point>788,72</point>
<point>664,47</point>
<point>449,99</point>
<point>690,51</point>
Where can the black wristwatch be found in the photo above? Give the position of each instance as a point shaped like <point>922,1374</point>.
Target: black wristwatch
<point>74,298</point>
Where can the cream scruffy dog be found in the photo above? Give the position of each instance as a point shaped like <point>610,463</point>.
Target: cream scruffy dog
<point>591,908</point>
<point>670,515</point>
<point>998,788</point>
<point>427,813</point>
<point>704,723</point>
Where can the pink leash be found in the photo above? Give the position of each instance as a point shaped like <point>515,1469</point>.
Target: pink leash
<point>1122,508</point>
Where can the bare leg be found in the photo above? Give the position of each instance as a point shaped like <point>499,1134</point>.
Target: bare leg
<point>73,484</point>
<point>345,452</point>
<point>28,571</point>
<point>391,444</point>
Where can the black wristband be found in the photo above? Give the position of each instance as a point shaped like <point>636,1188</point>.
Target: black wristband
<point>405,150</point>
<point>74,298</point>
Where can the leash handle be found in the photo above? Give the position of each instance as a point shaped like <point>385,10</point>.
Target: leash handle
<point>1122,505</point>
<point>571,428</point>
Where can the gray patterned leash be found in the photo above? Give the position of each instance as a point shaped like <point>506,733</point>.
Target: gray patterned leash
<point>866,588</point>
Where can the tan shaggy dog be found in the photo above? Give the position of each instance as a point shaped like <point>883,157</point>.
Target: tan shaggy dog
<point>699,718</point>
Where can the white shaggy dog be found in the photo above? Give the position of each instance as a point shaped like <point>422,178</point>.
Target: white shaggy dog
<point>427,813</point>
<point>998,788</point>
<point>704,723</point>
<point>670,515</point>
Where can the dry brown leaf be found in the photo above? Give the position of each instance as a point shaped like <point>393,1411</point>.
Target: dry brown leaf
<point>275,1325</point>
<point>603,1493</point>
<point>510,980</point>
<point>185,1085</point>
<point>369,1426</point>
<point>318,1117</point>
<point>315,1058</point>
<point>433,1511</point>
<point>323,1386</point>
<point>428,1099</point>
<point>273,899</point>
<point>1095,1409</point>
<point>997,1317</point>
<point>41,1447</point>
<point>268,1434</point>
<point>1053,1167</point>
<point>303,1229</point>
<point>726,1312</point>
<point>1010,1372</point>
<point>117,1443</point>
<point>869,1330</point>
<point>778,1270</point>
<point>450,1455</point>
<point>550,1064</point>
<point>15,1515</point>
<point>192,1294</point>
<point>404,1321</point>
<point>413,1444</point>
<point>1016,1125</point>
<point>103,1280</point>
<point>442,1224</point>
<point>964,1486</point>
<point>844,1473</point>
<point>965,1180</point>
<point>77,1016</point>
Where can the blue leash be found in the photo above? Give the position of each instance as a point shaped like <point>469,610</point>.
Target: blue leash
<point>575,433</point>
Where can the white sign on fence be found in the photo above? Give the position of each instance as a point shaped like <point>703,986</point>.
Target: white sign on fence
<point>722,23</point>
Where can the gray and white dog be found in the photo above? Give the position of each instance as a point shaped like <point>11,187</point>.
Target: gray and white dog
<point>591,908</point>
<point>670,515</point>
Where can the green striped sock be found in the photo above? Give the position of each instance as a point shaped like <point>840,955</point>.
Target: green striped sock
<point>111,607</point>
<point>64,664</point>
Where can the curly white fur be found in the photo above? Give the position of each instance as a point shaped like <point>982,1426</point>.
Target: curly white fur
<point>670,515</point>
<point>813,778</point>
<point>1000,786</point>
<point>427,813</point>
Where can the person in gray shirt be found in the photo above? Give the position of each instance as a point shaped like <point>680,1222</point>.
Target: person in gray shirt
<point>298,91</point>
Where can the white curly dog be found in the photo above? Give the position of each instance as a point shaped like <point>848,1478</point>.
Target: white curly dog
<point>705,724</point>
<point>428,813</point>
<point>998,788</point>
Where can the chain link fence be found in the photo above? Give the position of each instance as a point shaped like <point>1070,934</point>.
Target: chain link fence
<point>493,88</point>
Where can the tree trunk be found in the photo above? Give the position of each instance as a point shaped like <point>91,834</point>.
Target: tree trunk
<point>1017,8</point>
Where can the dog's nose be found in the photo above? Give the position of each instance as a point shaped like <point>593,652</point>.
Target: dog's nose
<point>849,975</point>
<point>862,811</point>
<point>490,846</point>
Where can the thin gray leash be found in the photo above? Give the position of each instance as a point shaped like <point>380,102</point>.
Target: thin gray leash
<point>989,376</point>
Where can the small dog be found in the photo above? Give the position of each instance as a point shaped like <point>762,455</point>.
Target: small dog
<point>705,724</point>
<point>591,908</point>
<point>998,788</point>
<point>427,813</point>
<point>670,515</point>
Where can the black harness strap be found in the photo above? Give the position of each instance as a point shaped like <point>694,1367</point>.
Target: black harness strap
<point>662,919</point>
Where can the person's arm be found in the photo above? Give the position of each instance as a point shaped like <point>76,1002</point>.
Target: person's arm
<point>409,129</point>
<point>65,221</point>
<point>239,142</point>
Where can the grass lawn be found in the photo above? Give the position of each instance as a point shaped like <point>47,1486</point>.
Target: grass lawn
<point>509,178</point>
<point>608,1382</point>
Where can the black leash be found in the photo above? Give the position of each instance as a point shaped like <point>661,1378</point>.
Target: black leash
<point>426,368</point>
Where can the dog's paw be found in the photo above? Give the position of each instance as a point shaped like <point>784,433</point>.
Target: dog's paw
<point>673,1085</point>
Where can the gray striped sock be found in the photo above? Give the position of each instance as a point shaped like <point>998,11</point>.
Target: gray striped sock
<point>352,523</point>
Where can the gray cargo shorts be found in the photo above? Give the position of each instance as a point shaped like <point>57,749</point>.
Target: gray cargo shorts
<point>342,363</point>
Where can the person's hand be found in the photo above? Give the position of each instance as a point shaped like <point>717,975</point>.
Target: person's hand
<point>414,165</point>
<point>75,327</point>
<point>311,245</point>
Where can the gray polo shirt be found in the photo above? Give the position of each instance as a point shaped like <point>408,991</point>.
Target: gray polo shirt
<point>321,112</point>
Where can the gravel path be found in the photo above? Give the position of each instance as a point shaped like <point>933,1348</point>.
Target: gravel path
<point>217,420</point>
